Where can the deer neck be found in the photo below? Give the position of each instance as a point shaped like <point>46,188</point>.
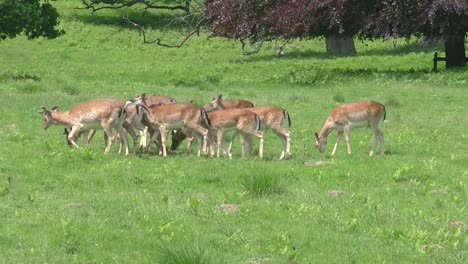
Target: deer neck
<point>325,131</point>
<point>61,118</point>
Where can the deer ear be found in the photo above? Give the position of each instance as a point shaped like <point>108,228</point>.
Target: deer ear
<point>316,136</point>
<point>220,97</point>
<point>55,108</point>
<point>212,98</point>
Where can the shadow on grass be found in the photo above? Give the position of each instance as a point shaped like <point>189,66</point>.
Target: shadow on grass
<point>161,20</point>
<point>400,50</point>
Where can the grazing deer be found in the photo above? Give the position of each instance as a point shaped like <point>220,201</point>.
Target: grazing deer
<point>160,118</point>
<point>151,100</point>
<point>346,116</point>
<point>227,104</point>
<point>179,136</point>
<point>89,115</point>
<point>132,121</point>
<point>270,116</point>
<point>245,122</point>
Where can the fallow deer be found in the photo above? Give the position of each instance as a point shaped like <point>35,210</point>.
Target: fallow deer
<point>150,100</point>
<point>272,117</point>
<point>346,116</point>
<point>227,104</point>
<point>243,121</point>
<point>179,136</point>
<point>88,115</point>
<point>160,118</point>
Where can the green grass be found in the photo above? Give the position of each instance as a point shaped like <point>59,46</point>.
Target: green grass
<point>62,205</point>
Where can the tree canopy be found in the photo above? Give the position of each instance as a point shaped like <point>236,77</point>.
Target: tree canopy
<point>312,18</point>
<point>34,18</point>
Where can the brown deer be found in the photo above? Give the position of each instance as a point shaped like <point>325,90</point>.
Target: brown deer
<point>161,118</point>
<point>151,100</point>
<point>243,121</point>
<point>133,121</point>
<point>357,114</point>
<point>179,136</point>
<point>94,114</point>
<point>272,117</point>
<point>228,104</point>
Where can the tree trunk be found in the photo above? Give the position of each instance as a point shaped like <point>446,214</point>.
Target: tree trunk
<point>340,46</point>
<point>455,51</point>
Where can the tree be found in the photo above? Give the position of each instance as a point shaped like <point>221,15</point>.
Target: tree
<point>31,17</point>
<point>264,20</point>
<point>446,19</point>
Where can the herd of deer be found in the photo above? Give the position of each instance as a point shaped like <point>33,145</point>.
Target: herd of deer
<point>157,115</point>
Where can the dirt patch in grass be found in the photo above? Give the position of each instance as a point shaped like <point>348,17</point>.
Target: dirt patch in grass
<point>11,126</point>
<point>228,208</point>
<point>439,191</point>
<point>74,205</point>
<point>435,247</point>
<point>259,260</point>
<point>202,197</point>
<point>336,193</point>
<point>316,162</point>
<point>458,224</point>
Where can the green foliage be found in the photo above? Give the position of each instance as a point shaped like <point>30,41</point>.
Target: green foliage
<point>187,252</point>
<point>31,17</point>
<point>261,183</point>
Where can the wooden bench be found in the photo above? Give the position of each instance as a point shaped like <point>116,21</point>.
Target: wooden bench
<point>437,58</point>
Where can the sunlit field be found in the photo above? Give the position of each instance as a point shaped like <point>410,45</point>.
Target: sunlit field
<point>64,205</point>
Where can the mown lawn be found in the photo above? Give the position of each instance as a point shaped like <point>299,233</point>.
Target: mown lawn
<point>62,205</point>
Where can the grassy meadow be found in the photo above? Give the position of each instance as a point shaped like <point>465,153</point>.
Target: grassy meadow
<point>63,205</point>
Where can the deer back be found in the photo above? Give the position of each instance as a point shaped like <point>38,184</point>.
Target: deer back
<point>219,103</point>
<point>271,115</point>
<point>358,113</point>
<point>94,111</point>
<point>158,99</point>
<point>230,118</point>
<point>175,112</point>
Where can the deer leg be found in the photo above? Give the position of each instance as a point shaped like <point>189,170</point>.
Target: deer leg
<point>72,136</point>
<point>338,138</point>
<point>124,139</point>
<point>203,139</point>
<point>346,136</point>
<point>110,137</point>
<point>154,134</point>
<point>211,143</point>
<point>259,135</point>
<point>219,138</point>
<point>131,131</point>
<point>379,138</point>
<point>288,143</point>
<point>143,137</point>
<point>234,135</point>
<point>90,136</point>
<point>246,144</point>
<point>163,132</point>
<point>285,137</point>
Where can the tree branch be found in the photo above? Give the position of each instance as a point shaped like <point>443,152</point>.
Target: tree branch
<point>279,49</point>
<point>256,50</point>
<point>157,41</point>
<point>94,5</point>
